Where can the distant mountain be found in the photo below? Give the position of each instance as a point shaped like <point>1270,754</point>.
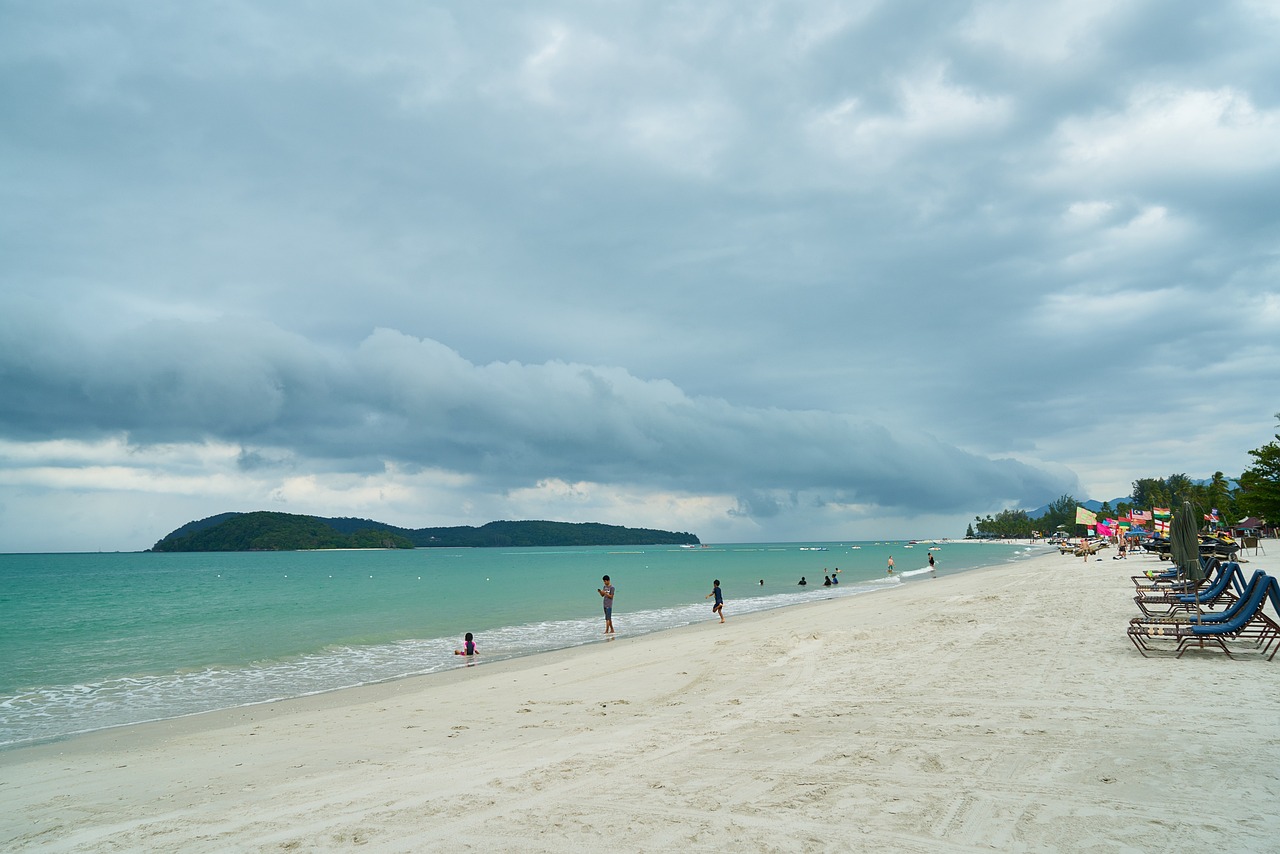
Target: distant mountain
<point>1095,506</point>
<point>1091,504</point>
<point>267,531</point>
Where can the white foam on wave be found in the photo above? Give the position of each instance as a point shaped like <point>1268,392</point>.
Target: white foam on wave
<point>59,711</point>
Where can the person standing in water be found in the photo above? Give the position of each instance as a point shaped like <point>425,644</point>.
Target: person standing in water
<point>717,608</point>
<point>606,593</point>
<point>890,570</point>
<point>932,572</point>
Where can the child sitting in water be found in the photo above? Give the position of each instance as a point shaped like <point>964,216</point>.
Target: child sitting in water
<point>468,647</point>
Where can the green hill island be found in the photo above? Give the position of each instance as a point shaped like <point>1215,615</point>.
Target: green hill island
<point>267,531</point>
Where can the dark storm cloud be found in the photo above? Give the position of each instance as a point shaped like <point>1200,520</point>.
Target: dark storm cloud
<point>417,402</point>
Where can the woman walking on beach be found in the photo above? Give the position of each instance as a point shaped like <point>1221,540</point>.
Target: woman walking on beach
<point>717,608</point>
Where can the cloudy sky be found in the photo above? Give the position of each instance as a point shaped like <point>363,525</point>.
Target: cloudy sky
<point>753,270</point>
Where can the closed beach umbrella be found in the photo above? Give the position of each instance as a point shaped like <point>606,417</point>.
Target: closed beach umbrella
<point>1184,542</point>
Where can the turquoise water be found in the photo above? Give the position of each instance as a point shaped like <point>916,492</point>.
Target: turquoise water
<point>89,641</point>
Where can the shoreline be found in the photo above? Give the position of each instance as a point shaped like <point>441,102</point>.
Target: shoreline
<point>159,695</point>
<point>998,706</point>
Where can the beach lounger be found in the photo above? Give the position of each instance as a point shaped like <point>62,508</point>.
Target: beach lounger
<point>1225,589</point>
<point>1243,620</point>
<point>1258,578</point>
<point>1169,580</point>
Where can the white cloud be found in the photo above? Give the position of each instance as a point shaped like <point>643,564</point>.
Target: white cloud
<point>1043,33</point>
<point>1168,133</point>
<point>929,111</point>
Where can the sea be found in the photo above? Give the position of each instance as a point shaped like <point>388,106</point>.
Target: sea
<point>91,641</point>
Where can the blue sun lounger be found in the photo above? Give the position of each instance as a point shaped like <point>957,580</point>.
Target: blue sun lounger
<point>1217,594</point>
<point>1245,619</point>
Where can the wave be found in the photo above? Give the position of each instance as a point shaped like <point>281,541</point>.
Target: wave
<point>53,712</point>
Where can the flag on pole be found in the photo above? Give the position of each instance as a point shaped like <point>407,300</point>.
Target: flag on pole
<point>1085,517</point>
<point>1105,529</point>
<point>1140,515</point>
<point>1161,526</point>
<point>1161,512</point>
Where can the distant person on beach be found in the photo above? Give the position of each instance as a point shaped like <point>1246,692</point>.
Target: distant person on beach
<point>606,593</point>
<point>933,573</point>
<point>717,608</point>
<point>827,581</point>
<point>802,582</point>
<point>468,647</point>
<point>890,570</point>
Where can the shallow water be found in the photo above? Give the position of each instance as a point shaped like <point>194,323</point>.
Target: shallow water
<point>96,640</point>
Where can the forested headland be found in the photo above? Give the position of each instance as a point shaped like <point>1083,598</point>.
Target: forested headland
<point>269,531</point>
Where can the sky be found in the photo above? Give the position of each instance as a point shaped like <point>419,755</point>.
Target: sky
<point>758,271</point>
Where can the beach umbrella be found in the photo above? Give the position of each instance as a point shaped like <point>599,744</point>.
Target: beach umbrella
<point>1184,542</point>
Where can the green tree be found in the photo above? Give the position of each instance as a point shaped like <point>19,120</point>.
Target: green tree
<point>1061,512</point>
<point>1150,492</point>
<point>1181,489</point>
<point>1007,524</point>
<point>1218,495</point>
<point>1260,483</point>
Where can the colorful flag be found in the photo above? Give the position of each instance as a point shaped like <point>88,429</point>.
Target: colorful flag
<point>1105,529</point>
<point>1140,515</point>
<point>1161,526</point>
<point>1085,517</point>
<point>1161,512</point>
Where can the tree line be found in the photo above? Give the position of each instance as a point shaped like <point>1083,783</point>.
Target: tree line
<point>1256,492</point>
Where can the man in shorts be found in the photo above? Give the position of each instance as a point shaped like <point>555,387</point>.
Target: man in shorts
<point>606,593</point>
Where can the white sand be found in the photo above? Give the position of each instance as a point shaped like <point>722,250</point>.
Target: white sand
<point>1003,709</point>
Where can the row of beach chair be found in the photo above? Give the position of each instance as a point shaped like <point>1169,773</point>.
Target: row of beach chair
<point>1223,608</point>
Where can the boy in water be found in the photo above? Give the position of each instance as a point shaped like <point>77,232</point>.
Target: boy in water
<point>606,593</point>
<point>717,608</point>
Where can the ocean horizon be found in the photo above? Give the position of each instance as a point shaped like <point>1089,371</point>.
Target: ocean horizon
<point>96,640</point>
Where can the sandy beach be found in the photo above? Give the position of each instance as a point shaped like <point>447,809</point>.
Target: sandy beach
<point>996,709</point>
